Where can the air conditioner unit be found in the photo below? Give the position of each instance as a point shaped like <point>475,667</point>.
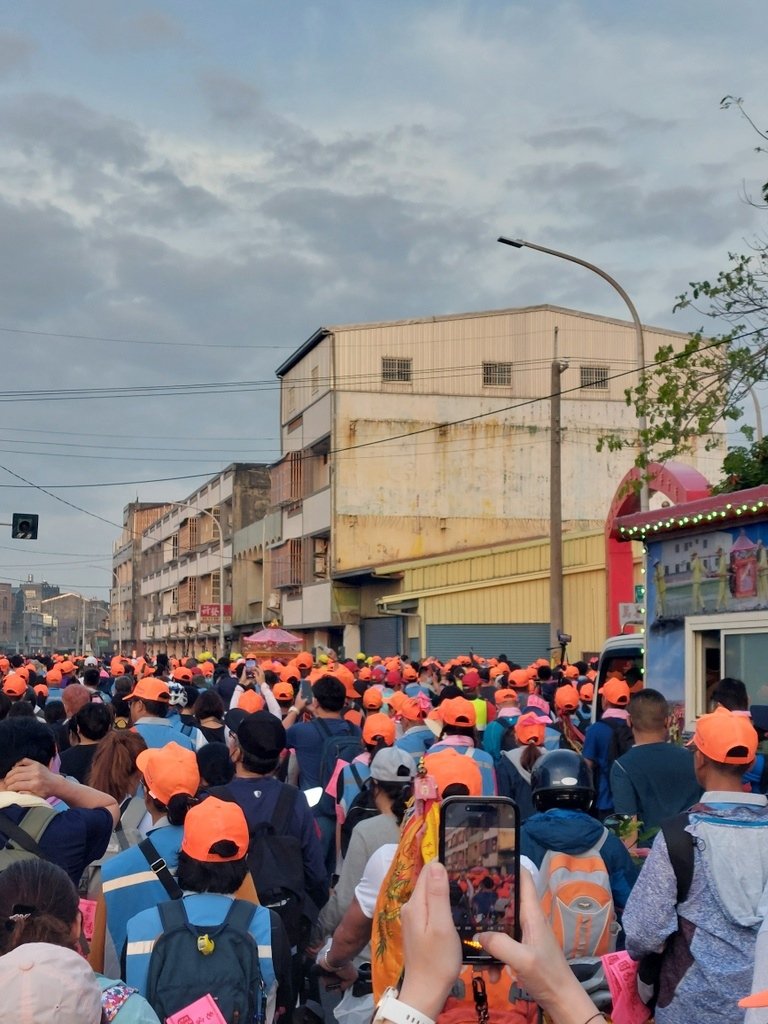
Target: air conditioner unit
<point>273,602</point>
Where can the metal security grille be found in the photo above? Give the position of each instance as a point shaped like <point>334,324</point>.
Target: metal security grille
<point>594,377</point>
<point>395,370</point>
<point>522,642</point>
<point>497,375</point>
<point>381,636</point>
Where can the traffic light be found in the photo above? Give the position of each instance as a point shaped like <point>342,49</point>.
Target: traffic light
<point>24,526</point>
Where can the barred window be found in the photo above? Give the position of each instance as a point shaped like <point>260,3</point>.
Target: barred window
<point>497,375</point>
<point>395,370</point>
<point>595,378</point>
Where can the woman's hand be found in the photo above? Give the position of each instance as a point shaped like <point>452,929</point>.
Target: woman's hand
<point>431,947</point>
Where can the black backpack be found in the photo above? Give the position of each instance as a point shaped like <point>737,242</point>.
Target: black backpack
<point>337,746</point>
<point>680,846</point>
<point>276,863</point>
<point>622,738</point>
<point>189,961</point>
<point>361,808</point>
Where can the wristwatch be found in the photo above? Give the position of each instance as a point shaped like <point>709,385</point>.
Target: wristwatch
<point>391,1009</point>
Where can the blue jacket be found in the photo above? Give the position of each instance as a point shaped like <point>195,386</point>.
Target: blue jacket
<point>129,886</point>
<point>202,909</point>
<point>575,832</point>
<point>156,732</point>
<point>416,741</point>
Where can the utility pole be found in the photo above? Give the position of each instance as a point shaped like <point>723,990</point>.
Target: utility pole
<point>555,502</point>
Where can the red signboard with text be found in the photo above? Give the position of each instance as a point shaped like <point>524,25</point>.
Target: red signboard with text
<point>211,612</point>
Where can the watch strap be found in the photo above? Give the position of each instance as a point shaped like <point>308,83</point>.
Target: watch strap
<point>390,1008</point>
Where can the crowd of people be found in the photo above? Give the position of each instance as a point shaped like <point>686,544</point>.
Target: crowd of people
<point>257,838</point>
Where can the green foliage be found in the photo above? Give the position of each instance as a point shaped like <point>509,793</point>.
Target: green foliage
<point>686,394</point>
<point>744,467</point>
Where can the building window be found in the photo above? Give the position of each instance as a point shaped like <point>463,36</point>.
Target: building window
<point>395,370</point>
<point>290,400</point>
<point>315,379</point>
<point>595,378</point>
<point>497,375</point>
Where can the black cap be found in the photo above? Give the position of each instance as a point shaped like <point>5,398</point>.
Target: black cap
<point>259,734</point>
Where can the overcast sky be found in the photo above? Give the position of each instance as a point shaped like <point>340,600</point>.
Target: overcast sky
<point>208,183</point>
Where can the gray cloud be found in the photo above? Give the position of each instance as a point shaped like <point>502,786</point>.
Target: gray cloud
<point>110,28</point>
<point>557,138</point>
<point>15,51</point>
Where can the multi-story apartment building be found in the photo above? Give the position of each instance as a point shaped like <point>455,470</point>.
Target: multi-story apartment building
<point>186,561</point>
<point>6,613</point>
<point>125,593</point>
<point>76,622</point>
<point>414,439</point>
<point>29,631</point>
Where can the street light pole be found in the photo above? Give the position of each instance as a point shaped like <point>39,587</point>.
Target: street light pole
<point>642,423</point>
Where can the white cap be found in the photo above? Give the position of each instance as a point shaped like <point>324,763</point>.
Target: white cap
<point>46,984</point>
<point>90,661</point>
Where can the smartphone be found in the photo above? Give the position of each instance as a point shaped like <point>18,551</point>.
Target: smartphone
<point>480,848</point>
<point>305,689</point>
<point>250,664</point>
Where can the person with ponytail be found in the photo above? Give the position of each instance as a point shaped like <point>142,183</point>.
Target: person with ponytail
<point>114,769</point>
<point>171,781</point>
<point>516,765</point>
<point>39,904</point>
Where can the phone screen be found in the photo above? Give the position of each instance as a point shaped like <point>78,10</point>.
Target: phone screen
<point>305,689</point>
<point>479,846</point>
<point>250,664</point>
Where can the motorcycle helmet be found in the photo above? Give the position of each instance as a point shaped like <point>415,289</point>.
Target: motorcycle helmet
<point>562,778</point>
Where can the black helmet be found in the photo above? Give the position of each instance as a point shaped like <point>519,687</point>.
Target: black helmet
<point>562,778</point>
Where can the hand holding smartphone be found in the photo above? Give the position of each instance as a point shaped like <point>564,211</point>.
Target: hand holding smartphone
<point>480,849</point>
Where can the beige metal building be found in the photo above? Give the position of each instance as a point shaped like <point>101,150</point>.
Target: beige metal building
<point>424,438</point>
<point>496,600</point>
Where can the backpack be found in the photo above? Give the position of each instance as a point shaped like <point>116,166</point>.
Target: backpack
<point>680,846</point>
<point>190,961</point>
<point>337,746</point>
<point>575,894</point>
<point>361,808</point>
<point>23,839</point>
<point>276,863</point>
<point>622,738</point>
<point>475,999</point>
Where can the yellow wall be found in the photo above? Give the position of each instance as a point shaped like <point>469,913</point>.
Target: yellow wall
<point>511,585</point>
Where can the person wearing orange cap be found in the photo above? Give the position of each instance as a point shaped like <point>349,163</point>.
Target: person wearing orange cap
<point>349,777</point>
<point>567,702</point>
<point>608,739</point>
<point>171,781</point>
<point>212,869</point>
<point>514,770</point>
<point>417,738</point>
<point>706,916</point>
<point>149,703</point>
<point>499,734</point>
<point>458,733</point>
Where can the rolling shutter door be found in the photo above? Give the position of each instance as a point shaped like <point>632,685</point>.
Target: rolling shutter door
<point>381,636</point>
<point>521,642</point>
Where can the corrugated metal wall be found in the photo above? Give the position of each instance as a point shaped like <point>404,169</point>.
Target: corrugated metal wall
<point>381,636</point>
<point>521,643</point>
<point>511,585</point>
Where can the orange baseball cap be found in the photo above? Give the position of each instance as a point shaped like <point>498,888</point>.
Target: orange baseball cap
<point>458,711</point>
<point>397,700</point>
<point>520,678</point>
<point>150,688</point>
<point>410,674</point>
<point>379,727</point>
<point>182,675</point>
<point>14,685</point>
<point>168,771</point>
<point>67,667</point>
<point>207,668</point>
<point>41,690</point>
<point>283,691</point>
<point>364,674</point>
<point>615,691</point>
<point>755,1001</point>
<point>23,671</point>
<point>502,696</point>
<point>411,709</point>
<point>54,676</point>
<point>566,698</point>
<point>571,672</point>
<point>251,701</point>
<point>725,737</point>
<point>304,660</point>
<point>448,766</point>
<point>530,729</point>
<point>587,691</point>
<point>372,699</point>
<point>210,822</point>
